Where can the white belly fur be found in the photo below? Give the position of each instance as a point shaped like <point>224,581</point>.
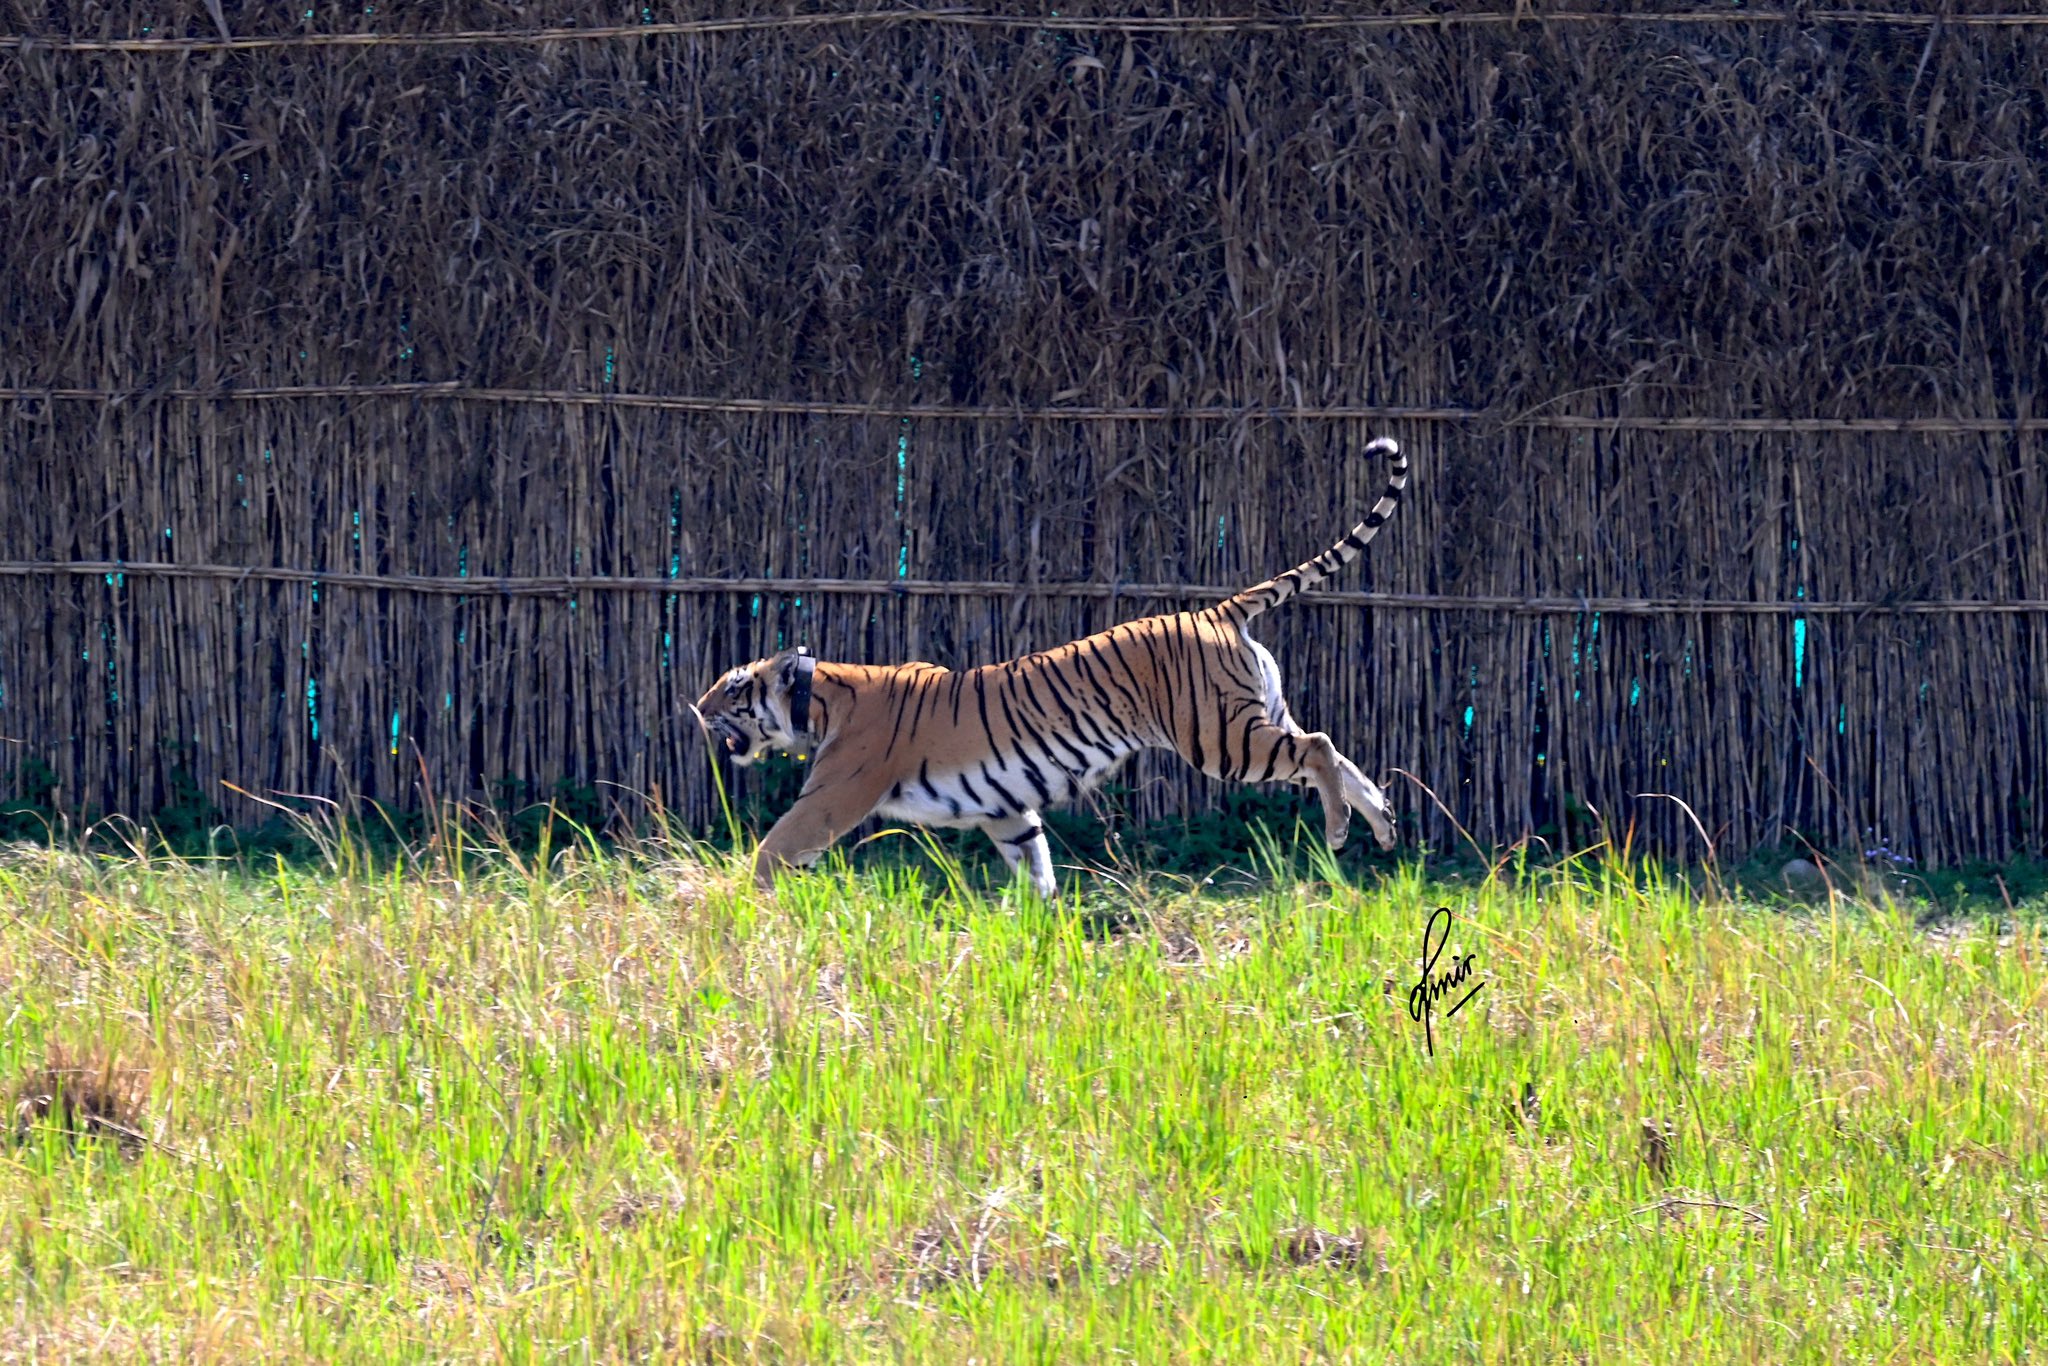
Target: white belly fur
<point>976,792</point>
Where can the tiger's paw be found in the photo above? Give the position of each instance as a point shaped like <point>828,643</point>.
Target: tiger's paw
<point>1378,813</point>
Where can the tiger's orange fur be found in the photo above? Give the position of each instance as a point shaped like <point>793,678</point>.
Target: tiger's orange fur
<point>992,747</point>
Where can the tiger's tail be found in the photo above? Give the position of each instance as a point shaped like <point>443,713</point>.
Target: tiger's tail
<point>1260,597</point>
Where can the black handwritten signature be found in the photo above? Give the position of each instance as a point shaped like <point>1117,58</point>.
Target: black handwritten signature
<point>1427,991</point>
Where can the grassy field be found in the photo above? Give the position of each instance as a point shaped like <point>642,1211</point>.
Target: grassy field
<point>614,1107</point>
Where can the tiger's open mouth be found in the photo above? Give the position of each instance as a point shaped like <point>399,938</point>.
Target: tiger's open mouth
<point>738,744</point>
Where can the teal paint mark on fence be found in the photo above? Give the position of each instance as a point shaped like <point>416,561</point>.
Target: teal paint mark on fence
<point>1219,531</point>
<point>1842,720</point>
<point>447,701</point>
<point>1468,719</point>
<point>610,368</point>
<point>1592,649</point>
<point>1635,691</point>
<point>757,605</point>
<point>394,732</point>
<point>1583,658</point>
<point>1798,639</point>
<point>902,479</point>
<point>313,705</point>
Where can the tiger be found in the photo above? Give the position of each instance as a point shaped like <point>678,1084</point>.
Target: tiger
<point>993,747</point>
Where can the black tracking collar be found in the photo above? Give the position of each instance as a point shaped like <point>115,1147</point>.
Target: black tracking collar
<point>800,691</point>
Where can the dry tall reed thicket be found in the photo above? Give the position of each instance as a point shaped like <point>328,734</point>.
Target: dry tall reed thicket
<point>649,347</point>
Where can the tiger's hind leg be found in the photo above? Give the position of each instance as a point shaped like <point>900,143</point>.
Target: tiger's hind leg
<point>1264,752</point>
<point>1366,798</point>
<point>1356,791</point>
<point>1021,841</point>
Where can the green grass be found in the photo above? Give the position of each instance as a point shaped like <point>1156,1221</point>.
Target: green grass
<point>611,1107</point>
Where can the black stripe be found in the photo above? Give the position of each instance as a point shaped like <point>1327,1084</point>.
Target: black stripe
<point>1081,658</point>
<point>1033,774</point>
<point>902,704</point>
<point>1083,725</point>
<point>981,705</point>
<point>1160,676</point>
<point>1074,721</point>
<point>1137,685</point>
<point>1015,806</point>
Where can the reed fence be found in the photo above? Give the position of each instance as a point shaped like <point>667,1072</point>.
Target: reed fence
<point>446,396</point>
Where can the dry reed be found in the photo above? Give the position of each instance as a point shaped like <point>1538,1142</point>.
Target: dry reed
<point>1676,317</point>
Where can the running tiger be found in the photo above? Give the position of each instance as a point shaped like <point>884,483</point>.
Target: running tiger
<point>992,747</point>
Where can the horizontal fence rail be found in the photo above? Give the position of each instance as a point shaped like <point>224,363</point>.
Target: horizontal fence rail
<point>1122,24</point>
<point>690,403</point>
<point>544,585</point>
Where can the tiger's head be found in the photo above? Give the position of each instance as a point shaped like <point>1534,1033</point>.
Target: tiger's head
<point>752,710</point>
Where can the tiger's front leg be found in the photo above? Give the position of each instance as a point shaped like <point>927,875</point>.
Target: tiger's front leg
<point>1021,840</point>
<point>821,815</point>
